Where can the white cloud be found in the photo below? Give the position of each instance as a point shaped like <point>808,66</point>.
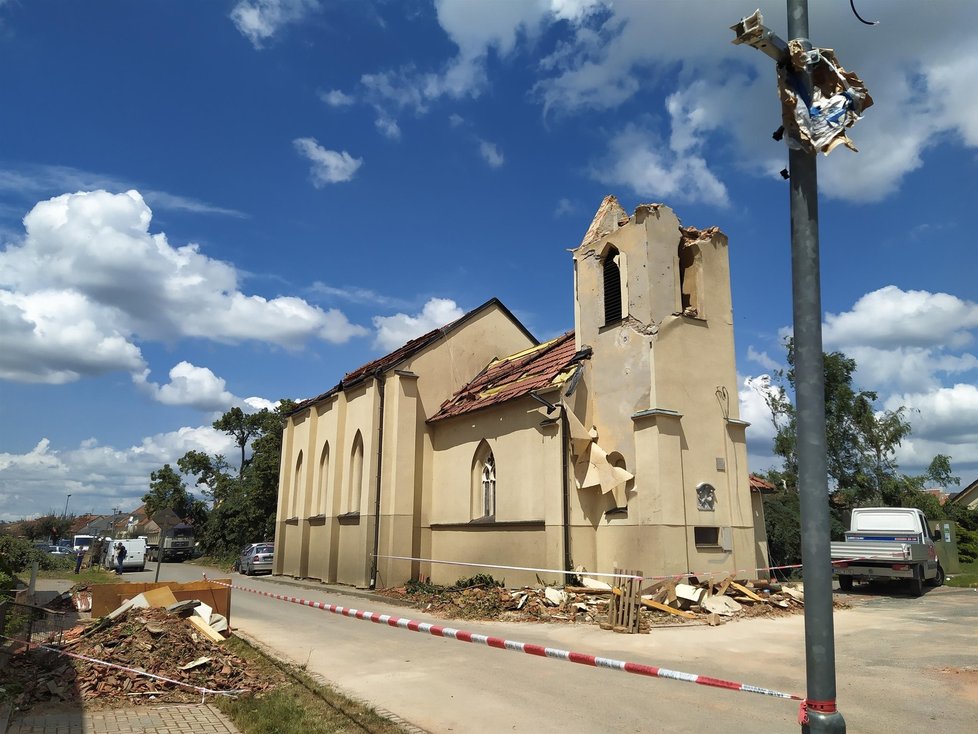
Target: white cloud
<point>194,386</point>
<point>491,154</point>
<point>355,294</point>
<point>88,282</point>
<point>753,395</point>
<point>388,127</point>
<point>97,477</point>
<point>260,20</point>
<point>337,98</point>
<point>721,100</point>
<point>394,331</point>
<point>891,317</point>
<point>653,171</point>
<point>328,166</point>
<point>762,359</point>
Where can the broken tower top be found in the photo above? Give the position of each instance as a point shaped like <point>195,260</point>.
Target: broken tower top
<point>606,220</point>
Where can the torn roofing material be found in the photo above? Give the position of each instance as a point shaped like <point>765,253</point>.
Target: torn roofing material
<point>546,365</point>
<point>398,356</point>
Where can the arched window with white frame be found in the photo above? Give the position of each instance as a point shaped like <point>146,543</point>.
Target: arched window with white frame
<point>483,504</point>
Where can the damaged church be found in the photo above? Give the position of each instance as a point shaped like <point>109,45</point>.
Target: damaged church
<point>615,445</point>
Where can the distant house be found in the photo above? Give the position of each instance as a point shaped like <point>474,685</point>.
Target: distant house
<point>618,443</point>
<point>967,497</point>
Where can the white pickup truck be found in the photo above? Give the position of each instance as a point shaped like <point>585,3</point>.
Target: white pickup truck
<point>888,542</point>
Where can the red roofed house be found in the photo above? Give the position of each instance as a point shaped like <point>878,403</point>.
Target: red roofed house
<point>616,444</point>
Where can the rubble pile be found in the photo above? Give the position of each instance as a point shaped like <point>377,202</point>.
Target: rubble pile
<point>153,640</point>
<point>665,602</point>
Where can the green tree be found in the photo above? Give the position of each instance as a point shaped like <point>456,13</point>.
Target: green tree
<point>52,527</point>
<point>861,443</point>
<point>167,489</point>
<point>212,473</point>
<point>244,506</point>
<point>242,426</point>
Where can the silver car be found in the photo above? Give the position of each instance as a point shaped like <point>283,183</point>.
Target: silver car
<point>255,558</point>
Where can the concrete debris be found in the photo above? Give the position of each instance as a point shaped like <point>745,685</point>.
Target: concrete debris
<point>722,605</point>
<point>555,597</point>
<point>589,583</point>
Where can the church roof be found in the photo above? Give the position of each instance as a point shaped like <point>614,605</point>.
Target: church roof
<point>401,354</point>
<point>537,368</point>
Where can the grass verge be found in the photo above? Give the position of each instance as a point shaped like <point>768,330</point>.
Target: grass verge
<point>225,563</point>
<point>88,576</point>
<point>301,706</point>
<point>967,577</point>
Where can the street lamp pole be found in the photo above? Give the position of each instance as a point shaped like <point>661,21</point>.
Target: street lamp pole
<point>65,513</point>
<point>819,712</point>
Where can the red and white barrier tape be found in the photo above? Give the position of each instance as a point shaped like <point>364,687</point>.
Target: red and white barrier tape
<point>203,691</point>
<point>515,646</point>
<point>677,576</point>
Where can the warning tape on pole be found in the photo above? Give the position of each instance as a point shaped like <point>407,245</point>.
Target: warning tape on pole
<point>515,646</point>
<point>145,673</point>
<point>677,576</point>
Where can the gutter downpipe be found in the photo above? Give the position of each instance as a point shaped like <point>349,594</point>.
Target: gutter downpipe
<point>565,481</point>
<point>381,383</point>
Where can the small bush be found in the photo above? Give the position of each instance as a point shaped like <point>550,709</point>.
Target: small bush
<point>17,555</point>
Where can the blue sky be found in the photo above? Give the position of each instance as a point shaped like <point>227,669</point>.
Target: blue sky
<point>207,204</point>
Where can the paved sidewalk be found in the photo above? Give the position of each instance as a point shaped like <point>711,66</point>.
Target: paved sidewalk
<point>172,719</point>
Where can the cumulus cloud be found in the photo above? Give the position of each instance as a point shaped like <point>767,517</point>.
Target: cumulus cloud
<point>651,170</point>
<point>194,386</point>
<point>491,154</point>
<point>88,282</point>
<point>394,331</point>
<point>97,477</point>
<point>260,20</point>
<point>892,317</point>
<point>905,339</point>
<point>328,166</point>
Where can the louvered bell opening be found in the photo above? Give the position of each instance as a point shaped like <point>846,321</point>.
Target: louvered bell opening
<point>612,290</point>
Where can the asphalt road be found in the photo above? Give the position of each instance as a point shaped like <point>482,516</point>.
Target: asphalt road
<point>904,664</point>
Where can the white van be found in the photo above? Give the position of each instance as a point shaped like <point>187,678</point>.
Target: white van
<point>135,553</point>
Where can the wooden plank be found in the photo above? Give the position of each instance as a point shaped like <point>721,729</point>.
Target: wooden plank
<point>205,628</point>
<point>722,589</point>
<point>746,592</point>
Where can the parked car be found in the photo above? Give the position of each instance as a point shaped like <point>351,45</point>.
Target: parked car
<point>59,550</point>
<point>256,557</point>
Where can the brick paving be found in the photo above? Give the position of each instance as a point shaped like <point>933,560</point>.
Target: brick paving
<point>173,719</point>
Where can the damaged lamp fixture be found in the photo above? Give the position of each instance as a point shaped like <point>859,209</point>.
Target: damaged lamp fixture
<point>544,402</point>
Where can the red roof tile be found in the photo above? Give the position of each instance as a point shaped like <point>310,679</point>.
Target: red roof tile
<point>515,376</point>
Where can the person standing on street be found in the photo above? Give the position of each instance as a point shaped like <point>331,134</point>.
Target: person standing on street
<point>120,556</point>
<point>79,556</point>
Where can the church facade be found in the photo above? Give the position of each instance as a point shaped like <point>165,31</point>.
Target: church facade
<point>616,444</point>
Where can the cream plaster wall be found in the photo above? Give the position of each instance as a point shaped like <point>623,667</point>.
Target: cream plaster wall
<point>328,541</point>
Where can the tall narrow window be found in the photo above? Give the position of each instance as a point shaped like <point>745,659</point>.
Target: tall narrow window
<point>690,277</point>
<point>483,505</point>
<point>323,481</point>
<point>356,474</point>
<point>612,286</point>
<point>296,487</point>
<point>489,487</point>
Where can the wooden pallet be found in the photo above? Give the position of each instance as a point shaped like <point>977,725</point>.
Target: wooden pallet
<point>623,610</point>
